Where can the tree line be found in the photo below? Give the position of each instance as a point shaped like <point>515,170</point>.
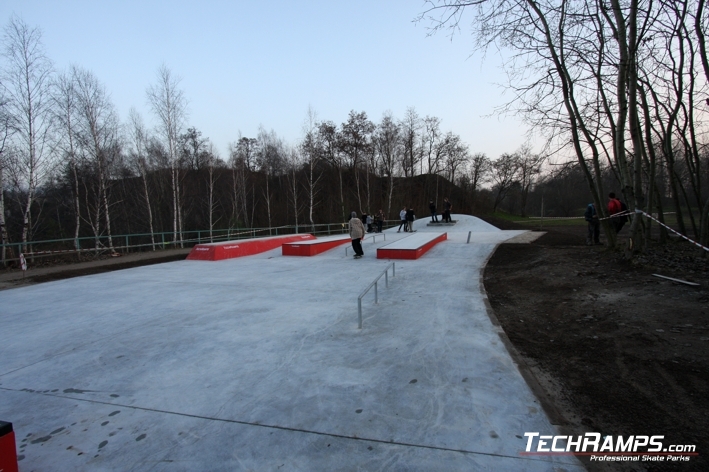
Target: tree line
<point>619,84</point>
<point>70,168</point>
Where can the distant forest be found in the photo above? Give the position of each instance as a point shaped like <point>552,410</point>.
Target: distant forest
<point>70,168</point>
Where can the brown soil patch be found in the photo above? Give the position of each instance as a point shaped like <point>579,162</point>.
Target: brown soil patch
<point>614,349</point>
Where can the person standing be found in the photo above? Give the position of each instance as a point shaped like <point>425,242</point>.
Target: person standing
<point>402,217</point>
<point>370,220</point>
<point>615,207</point>
<point>380,221</point>
<point>447,212</point>
<point>410,217</point>
<point>432,207</point>
<point>594,225</point>
<point>356,233</point>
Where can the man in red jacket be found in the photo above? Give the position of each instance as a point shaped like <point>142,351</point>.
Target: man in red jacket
<point>614,207</point>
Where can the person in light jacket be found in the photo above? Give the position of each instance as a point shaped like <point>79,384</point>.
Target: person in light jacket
<point>356,233</point>
<point>402,217</point>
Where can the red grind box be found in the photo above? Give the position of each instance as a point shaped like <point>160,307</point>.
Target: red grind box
<point>8,448</point>
<point>312,248</point>
<point>413,253</point>
<point>242,247</point>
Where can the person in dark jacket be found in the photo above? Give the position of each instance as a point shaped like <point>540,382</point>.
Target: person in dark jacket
<point>410,217</point>
<point>432,207</point>
<point>447,213</point>
<point>379,220</point>
<point>594,225</point>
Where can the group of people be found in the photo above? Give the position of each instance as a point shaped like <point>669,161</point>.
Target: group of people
<point>407,217</point>
<point>446,212</point>
<point>374,224</point>
<point>617,211</point>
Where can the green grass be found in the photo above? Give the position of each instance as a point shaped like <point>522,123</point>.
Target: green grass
<point>550,222</point>
<point>536,222</point>
<point>503,215</point>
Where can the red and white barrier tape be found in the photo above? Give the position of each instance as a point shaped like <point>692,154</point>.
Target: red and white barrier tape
<point>615,215</point>
<point>677,233</point>
<point>556,217</point>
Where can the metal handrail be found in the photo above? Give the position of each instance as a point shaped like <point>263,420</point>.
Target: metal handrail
<point>374,240</point>
<point>376,289</point>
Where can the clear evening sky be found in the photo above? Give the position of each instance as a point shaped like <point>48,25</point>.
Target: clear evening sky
<point>250,63</point>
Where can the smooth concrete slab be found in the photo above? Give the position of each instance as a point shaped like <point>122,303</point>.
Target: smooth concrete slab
<point>256,363</point>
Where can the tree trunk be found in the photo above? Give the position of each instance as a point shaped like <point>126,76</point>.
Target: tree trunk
<point>150,211</point>
<point>3,230</point>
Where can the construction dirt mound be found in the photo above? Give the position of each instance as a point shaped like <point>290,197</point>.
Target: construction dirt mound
<point>615,349</point>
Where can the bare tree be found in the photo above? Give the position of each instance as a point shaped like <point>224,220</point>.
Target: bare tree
<point>454,153</point>
<point>169,105</point>
<point>431,147</point>
<point>242,157</point>
<point>5,129</point>
<point>27,84</point>
<point>270,159</point>
<point>97,132</point>
<point>138,138</point>
<point>328,139</point>
<point>529,167</point>
<point>504,175</point>
<point>356,144</point>
<point>311,150</point>
<point>295,163</point>
<point>699,29</point>
<point>388,144</point>
<point>410,134</point>
<point>210,161</point>
<point>479,170</point>
<point>66,111</point>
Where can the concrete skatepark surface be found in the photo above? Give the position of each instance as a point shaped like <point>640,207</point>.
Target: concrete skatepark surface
<point>256,363</point>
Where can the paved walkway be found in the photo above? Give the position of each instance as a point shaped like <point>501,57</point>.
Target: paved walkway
<point>256,363</point>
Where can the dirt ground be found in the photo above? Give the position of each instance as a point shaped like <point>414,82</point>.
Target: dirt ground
<point>613,349</point>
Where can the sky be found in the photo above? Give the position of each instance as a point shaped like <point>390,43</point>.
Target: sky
<point>245,64</point>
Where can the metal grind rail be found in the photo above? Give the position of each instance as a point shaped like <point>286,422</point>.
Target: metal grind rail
<point>374,240</point>
<point>374,284</point>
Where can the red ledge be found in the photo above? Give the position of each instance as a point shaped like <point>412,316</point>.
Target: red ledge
<point>242,247</point>
<point>311,249</point>
<point>384,253</point>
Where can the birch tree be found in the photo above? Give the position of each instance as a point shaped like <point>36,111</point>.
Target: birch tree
<point>27,84</point>
<point>4,134</point>
<point>169,105</point>
<point>210,161</point>
<point>311,149</point>
<point>295,163</point>
<point>388,144</point>
<point>410,133</point>
<point>138,139</point>
<point>98,130</point>
<point>65,99</point>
